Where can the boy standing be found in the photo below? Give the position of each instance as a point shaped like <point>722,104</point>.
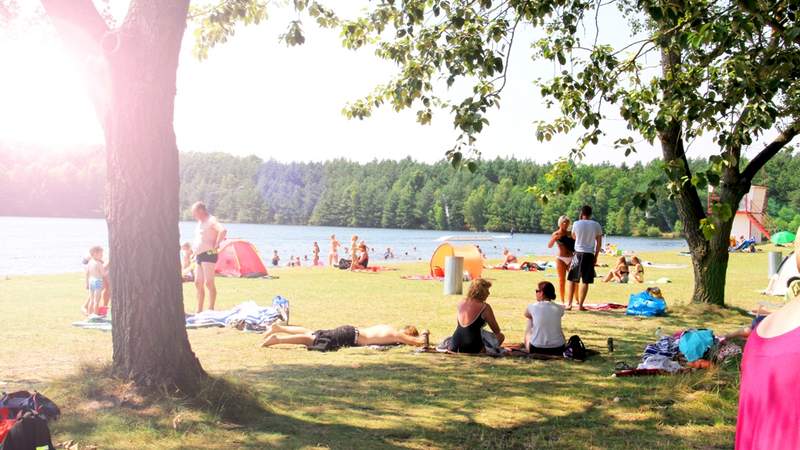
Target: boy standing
<point>95,272</point>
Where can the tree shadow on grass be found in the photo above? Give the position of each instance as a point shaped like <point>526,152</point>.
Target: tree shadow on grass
<point>395,400</point>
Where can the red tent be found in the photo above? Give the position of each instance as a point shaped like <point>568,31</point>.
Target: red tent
<point>239,258</point>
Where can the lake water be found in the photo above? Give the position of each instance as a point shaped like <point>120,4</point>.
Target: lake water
<point>51,245</point>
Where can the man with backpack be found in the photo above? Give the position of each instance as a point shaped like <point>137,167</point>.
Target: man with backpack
<point>588,236</point>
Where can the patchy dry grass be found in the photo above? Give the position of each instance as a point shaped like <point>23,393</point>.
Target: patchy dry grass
<point>360,398</point>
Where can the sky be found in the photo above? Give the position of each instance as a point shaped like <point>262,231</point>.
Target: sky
<point>254,95</point>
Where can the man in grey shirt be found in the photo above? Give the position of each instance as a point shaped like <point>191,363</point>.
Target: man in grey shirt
<point>588,236</point>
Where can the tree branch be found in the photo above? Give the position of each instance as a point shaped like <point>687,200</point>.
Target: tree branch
<point>78,22</point>
<point>771,150</point>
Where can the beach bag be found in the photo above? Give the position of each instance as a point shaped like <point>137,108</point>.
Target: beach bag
<point>695,343</point>
<point>646,305</point>
<point>344,264</point>
<point>24,401</point>
<point>30,432</point>
<point>575,349</point>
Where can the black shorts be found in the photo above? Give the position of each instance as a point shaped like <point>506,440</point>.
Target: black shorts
<point>209,256</point>
<point>554,351</point>
<point>332,340</point>
<point>582,268</point>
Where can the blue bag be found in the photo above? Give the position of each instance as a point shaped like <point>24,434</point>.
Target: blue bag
<point>695,343</point>
<point>644,304</point>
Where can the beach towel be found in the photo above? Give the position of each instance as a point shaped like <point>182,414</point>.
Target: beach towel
<point>102,323</point>
<point>422,278</point>
<point>646,372</point>
<point>375,269</point>
<point>247,316</point>
<point>604,306</point>
<point>695,343</point>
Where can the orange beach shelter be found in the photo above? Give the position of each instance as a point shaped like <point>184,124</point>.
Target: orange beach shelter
<point>473,263</point>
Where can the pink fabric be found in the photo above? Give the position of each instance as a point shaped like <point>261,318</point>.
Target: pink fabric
<point>769,394</point>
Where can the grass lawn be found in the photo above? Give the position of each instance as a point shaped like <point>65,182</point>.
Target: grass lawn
<point>362,398</point>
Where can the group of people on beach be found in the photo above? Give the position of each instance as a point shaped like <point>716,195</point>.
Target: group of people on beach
<point>543,332</point>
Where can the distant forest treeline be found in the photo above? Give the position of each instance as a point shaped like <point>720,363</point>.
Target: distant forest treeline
<point>387,194</point>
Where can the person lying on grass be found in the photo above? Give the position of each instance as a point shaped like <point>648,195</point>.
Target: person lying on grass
<point>475,313</point>
<point>343,336</point>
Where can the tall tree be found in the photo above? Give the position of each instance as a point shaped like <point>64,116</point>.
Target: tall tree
<point>131,71</point>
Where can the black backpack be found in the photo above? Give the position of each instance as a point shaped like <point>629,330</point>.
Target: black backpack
<point>24,401</point>
<point>575,349</point>
<point>28,433</point>
<point>344,264</point>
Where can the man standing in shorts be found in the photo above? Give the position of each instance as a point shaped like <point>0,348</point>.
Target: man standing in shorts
<point>208,237</point>
<point>588,236</point>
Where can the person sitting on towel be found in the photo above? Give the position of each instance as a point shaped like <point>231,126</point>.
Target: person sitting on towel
<point>620,273</point>
<point>508,257</point>
<point>543,332</point>
<point>475,313</point>
<point>638,269</point>
<point>343,336</point>
<point>363,258</point>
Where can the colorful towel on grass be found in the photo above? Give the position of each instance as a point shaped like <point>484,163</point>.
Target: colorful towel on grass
<point>646,372</point>
<point>247,316</point>
<point>422,278</point>
<point>604,306</point>
<point>375,269</point>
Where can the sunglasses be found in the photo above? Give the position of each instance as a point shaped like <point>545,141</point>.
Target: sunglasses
<point>538,290</point>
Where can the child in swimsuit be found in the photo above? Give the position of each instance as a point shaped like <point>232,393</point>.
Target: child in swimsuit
<point>95,272</point>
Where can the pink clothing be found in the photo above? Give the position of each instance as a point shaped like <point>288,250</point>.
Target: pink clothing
<point>769,395</point>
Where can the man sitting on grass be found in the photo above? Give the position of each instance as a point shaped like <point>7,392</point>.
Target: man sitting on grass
<point>343,336</point>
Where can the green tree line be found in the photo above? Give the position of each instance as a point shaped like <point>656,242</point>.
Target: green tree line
<point>385,194</point>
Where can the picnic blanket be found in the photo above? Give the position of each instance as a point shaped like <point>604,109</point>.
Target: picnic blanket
<point>422,278</point>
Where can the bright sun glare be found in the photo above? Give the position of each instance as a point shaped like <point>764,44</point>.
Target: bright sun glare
<point>42,96</point>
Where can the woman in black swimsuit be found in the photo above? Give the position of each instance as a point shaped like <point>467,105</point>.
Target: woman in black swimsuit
<point>475,313</point>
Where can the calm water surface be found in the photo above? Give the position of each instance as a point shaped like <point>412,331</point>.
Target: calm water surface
<point>51,245</point>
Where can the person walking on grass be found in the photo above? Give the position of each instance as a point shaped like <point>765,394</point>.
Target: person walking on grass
<point>588,236</point>
<point>209,234</point>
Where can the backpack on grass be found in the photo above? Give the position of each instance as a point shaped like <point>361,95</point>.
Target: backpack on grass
<point>30,432</point>
<point>575,349</point>
<point>344,264</point>
<point>24,401</point>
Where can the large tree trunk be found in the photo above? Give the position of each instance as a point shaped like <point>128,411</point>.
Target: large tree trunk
<point>151,346</point>
<point>131,74</point>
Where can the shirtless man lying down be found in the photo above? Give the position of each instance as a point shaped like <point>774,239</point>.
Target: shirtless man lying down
<point>344,336</point>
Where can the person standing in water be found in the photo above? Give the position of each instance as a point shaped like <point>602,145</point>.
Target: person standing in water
<point>588,236</point>
<point>333,256</point>
<point>208,237</point>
